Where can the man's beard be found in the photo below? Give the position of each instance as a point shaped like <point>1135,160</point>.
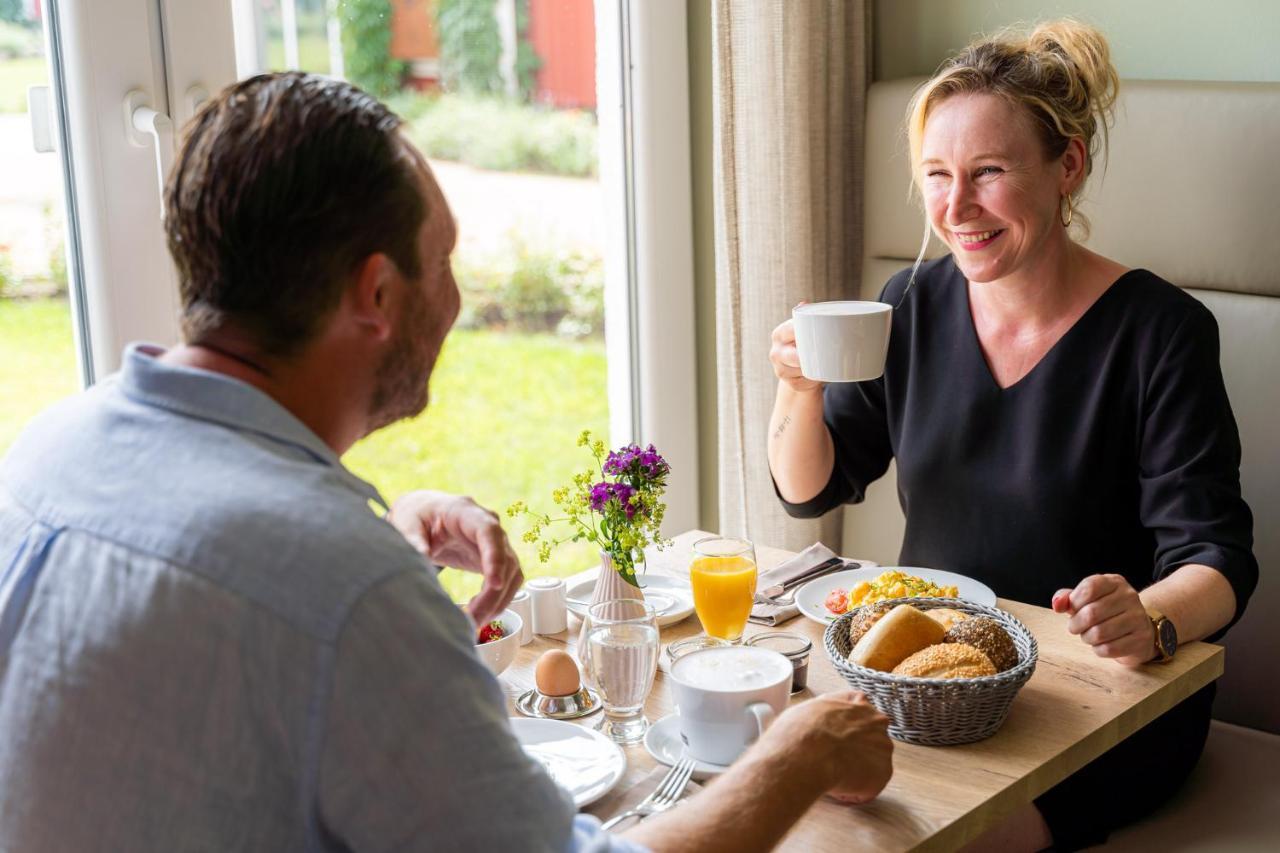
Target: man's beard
<point>401,380</point>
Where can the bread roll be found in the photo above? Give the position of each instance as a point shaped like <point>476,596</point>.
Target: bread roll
<point>946,660</point>
<point>946,616</point>
<point>986,635</point>
<point>866,616</point>
<point>901,632</point>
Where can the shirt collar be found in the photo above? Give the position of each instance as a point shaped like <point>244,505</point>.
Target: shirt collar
<point>221,399</point>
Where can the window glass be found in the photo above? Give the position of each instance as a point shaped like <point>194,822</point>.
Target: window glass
<point>500,95</point>
<point>37,350</point>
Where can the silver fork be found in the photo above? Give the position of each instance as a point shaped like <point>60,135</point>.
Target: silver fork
<point>663,797</point>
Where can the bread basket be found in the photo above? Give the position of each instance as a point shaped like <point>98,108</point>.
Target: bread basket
<point>936,711</point>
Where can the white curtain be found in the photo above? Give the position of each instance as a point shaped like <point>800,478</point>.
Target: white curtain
<point>789,80</point>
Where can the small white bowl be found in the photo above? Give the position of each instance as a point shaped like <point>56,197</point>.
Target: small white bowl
<point>499,654</point>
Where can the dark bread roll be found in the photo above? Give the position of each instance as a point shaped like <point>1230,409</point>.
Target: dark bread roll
<point>986,635</point>
<point>864,618</point>
<point>946,660</point>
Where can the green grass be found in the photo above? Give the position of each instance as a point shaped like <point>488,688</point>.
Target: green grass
<point>502,425</point>
<point>503,422</point>
<point>37,361</point>
<point>15,76</point>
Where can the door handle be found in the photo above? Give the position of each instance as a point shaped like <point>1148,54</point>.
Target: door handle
<point>146,126</point>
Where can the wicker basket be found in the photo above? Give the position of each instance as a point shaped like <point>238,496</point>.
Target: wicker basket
<point>938,711</point>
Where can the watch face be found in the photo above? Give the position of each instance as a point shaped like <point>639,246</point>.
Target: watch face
<point>1168,637</point>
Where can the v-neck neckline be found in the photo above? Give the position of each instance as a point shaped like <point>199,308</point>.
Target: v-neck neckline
<point>1035,368</point>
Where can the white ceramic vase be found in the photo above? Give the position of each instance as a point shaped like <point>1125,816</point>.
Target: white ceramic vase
<point>609,587</point>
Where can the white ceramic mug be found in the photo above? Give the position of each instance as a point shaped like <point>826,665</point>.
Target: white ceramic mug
<point>842,341</point>
<point>726,697</point>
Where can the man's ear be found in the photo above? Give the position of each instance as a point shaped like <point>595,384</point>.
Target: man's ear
<point>370,293</point>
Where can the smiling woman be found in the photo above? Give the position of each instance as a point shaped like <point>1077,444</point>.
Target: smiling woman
<point>1059,422</point>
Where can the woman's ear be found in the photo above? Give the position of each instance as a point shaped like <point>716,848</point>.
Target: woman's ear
<point>1074,160</point>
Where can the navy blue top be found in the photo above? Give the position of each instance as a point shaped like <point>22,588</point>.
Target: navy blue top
<point>1118,452</point>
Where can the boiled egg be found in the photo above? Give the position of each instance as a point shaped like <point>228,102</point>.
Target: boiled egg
<point>556,674</point>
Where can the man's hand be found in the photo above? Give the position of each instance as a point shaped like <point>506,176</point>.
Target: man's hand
<point>844,737</point>
<point>1108,615</point>
<point>457,532</point>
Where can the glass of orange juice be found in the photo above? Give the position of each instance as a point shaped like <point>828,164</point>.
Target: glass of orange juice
<point>723,576</point>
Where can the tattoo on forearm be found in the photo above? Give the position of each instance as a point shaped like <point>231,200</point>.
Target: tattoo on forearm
<point>786,419</point>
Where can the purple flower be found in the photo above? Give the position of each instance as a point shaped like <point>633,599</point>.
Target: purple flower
<point>630,461</point>
<point>602,493</point>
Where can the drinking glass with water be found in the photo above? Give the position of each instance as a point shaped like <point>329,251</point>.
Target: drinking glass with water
<point>620,656</point>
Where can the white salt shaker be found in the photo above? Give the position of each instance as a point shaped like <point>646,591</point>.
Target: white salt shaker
<point>523,606</point>
<point>550,612</point>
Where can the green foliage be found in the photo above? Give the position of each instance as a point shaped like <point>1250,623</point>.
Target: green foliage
<point>527,60</point>
<point>534,290</point>
<point>16,76</point>
<point>470,46</point>
<point>17,41</point>
<point>366,46</point>
<point>11,11</point>
<point>493,134</point>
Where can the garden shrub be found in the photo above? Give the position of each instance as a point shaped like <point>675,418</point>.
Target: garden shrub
<point>490,133</point>
<point>366,46</point>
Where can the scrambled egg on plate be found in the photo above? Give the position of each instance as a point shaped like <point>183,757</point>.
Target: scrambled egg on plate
<point>896,585</point>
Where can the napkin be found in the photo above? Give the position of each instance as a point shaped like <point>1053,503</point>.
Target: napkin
<point>620,799</point>
<point>776,614</point>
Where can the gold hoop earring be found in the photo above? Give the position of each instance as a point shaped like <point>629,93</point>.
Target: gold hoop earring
<point>1071,212</point>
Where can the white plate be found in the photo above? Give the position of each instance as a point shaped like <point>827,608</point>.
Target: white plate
<point>663,742</point>
<point>679,591</point>
<point>810,598</point>
<point>582,761</point>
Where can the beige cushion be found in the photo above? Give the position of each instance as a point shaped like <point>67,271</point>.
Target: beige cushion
<point>1191,192</point>
<point>1229,804</point>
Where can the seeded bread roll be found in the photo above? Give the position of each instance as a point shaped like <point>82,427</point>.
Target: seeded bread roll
<point>986,635</point>
<point>946,616</point>
<point>898,634</point>
<point>866,616</point>
<point>946,660</point>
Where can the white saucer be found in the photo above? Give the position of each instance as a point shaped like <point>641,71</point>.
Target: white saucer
<point>811,598</point>
<point>679,591</point>
<point>663,742</point>
<point>580,760</point>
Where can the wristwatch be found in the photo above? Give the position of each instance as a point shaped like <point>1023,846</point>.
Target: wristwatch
<point>1166,636</point>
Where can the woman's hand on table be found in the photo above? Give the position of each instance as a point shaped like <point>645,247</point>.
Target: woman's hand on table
<point>457,532</point>
<point>1107,613</point>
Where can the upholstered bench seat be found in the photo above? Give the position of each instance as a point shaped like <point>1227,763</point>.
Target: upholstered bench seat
<point>1230,803</point>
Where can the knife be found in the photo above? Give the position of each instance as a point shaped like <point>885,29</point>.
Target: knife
<point>768,594</point>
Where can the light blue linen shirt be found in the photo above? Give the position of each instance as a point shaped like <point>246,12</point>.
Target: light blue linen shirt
<point>209,641</point>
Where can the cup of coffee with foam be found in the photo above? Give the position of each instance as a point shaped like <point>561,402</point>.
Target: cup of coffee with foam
<point>842,341</point>
<point>726,697</point>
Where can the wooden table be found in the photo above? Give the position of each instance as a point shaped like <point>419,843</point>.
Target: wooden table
<point>1075,707</point>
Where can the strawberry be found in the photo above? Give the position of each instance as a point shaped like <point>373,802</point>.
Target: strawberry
<point>489,633</point>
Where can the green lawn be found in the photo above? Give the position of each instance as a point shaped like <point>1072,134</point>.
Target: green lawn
<point>15,76</point>
<point>37,360</point>
<point>505,414</point>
